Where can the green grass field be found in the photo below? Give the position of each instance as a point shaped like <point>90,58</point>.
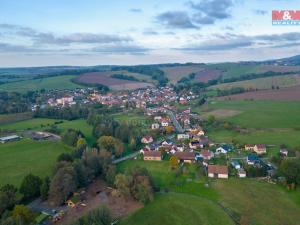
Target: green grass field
<point>258,114</point>
<point>11,118</point>
<point>247,200</point>
<point>41,124</point>
<point>59,82</point>
<point>179,209</point>
<point>288,137</point>
<point>26,156</point>
<point>261,83</point>
<point>234,69</point>
<point>259,202</point>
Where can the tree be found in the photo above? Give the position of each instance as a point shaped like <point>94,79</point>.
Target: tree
<point>111,144</point>
<point>290,168</point>
<point>110,174</point>
<point>7,197</point>
<point>211,119</point>
<point>80,142</point>
<point>23,213</point>
<point>173,162</point>
<point>122,184</point>
<point>62,185</point>
<point>169,129</point>
<point>45,188</point>
<point>70,137</point>
<point>100,216</point>
<point>65,157</point>
<point>30,186</point>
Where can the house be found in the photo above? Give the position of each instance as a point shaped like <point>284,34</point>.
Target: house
<point>284,152</point>
<point>145,149</point>
<point>147,139</point>
<point>185,157</point>
<point>241,173</point>
<point>9,138</point>
<point>252,159</point>
<point>217,171</point>
<point>206,154</point>
<point>152,156</point>
<point>249,147</point>
<point>155,126</point>
<point>235,165</point>
<point>183,136</point>
<point>223,149</point>
<point>167,143</point>
<point>194,144</point>
<point>164,122</point>
<point>157,118</point>
<point>260,149</point>
<point>180,147</point>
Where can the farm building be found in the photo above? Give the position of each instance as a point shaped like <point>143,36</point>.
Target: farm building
<point>9,138</point>
<point>185,157</point>
<point>152,156</point>
<point>217,171</point>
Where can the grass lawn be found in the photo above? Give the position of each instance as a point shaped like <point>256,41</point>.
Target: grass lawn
<point>179,209</point>
<point>289,137</point>
<point>249,201</point>
<point>258,114</point>
<point>258,202</point>
<point>26,156</point>
<point>41,124</point>
<point>164,177</point>
<point>49,83</point>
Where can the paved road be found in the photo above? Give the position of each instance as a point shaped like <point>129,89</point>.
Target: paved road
<point>175,122</point>
<point>131,156</point>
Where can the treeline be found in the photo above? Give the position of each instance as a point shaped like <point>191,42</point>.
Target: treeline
<point>100,87</point>
<point>104,125</point>
<point>13,102</point>
<point>252,76</point>
<point>124,77</point>
<point>149,70</point>
<point>65,113</point>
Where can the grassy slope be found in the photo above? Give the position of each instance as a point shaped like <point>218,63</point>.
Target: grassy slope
<point>179,209</point>
<point>262,83</point>
<point>234,69</point>
<point>258,202</point>
<point>59,82</point>
<point>27,156</point>
<point>252,201</point>
<point>260,114</point>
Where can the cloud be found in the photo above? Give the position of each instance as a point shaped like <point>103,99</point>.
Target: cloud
<point>122,49</point>
<point>150,32</point>
<point>136,10</point>
<point>175,19</point>
<point>209,11</point>
<point>50,38</point>
<point>260,12</point>
<point>231,41</point>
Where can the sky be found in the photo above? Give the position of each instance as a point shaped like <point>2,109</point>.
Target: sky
<point>131,32</point>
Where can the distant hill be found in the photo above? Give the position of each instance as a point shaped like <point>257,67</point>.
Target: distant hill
<point>289,61</point>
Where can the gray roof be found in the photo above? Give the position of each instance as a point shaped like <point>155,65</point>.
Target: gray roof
<point>7,138</point>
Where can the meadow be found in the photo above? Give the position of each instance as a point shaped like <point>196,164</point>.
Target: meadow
<point>20,158</point>
<point>41,124</point>
<point>257,114</point>
<point>49,83</point>
<point>246,200</point>
<point>261,83</point>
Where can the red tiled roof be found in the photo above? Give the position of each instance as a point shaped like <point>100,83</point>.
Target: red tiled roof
<point>185,155</point>
<point>216,169</point>
<point>152,154</point>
